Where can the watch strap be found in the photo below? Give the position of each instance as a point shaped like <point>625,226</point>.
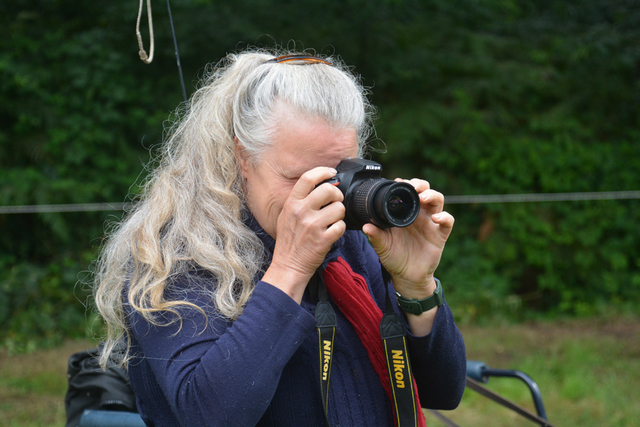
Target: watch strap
<point>419,306</point>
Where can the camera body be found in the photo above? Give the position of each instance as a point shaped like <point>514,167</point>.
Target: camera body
<point>368,198</point>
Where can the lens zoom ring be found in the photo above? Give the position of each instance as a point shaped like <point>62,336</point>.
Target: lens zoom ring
<point>360,203</point>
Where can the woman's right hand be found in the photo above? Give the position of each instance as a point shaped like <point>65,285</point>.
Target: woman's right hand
<point>310,222</point>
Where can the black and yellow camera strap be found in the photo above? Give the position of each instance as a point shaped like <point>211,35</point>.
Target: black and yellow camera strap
<point>326,318</point>
<point>394,364</point>
<point>393,335</point>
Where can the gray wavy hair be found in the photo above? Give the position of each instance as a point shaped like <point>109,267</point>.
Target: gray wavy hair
<point>190,214</point>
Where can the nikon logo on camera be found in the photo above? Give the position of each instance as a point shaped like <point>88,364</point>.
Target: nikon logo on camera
<point>398,368</point>
<point>326,358</point>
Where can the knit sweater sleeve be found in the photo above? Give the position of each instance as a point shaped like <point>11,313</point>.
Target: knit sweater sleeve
<point>219,373</point>
<point>438,360</point>
<point>439,363</point>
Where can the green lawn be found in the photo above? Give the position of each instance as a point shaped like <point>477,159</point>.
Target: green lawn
<point>588,372</point>
<point>32,386</point>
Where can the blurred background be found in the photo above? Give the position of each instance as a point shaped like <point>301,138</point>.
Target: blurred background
<point>481,98</point>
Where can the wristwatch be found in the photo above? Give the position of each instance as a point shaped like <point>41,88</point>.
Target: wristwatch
<point>419,306</point>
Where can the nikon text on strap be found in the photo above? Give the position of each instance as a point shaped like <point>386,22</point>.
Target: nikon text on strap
<point>326,318</point>
<point>392,331</point>
<point>399,368</point>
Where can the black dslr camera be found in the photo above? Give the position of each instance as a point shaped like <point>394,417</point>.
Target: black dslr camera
<point>369,198</point>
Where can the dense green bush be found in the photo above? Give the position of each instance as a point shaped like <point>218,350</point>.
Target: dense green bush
<point>493,97</point>
<point>73,122</point>
<point>540,98</point>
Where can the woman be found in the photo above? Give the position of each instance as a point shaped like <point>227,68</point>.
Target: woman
<point>207,279</point>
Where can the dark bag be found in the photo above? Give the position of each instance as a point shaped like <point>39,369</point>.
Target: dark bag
<point>90,387</point>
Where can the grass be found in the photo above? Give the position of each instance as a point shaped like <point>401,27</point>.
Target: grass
<point>32,386</point>
<point>588,372</point>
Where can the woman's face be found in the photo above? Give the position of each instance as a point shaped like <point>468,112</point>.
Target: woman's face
<point>299,145</point>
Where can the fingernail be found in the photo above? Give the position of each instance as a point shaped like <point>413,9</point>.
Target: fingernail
<point>334,171</point>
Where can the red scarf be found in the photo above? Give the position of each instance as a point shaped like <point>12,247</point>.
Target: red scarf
<point>351,293</point>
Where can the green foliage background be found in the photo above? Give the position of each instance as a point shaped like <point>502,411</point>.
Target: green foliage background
<point>478,97</point>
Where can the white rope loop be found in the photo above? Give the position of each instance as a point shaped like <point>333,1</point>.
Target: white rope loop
<point>143,53</point>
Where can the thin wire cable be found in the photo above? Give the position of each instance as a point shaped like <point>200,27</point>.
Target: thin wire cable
<point>449,200</point>
<point>77,207</point>
<point>175,45</point>
<point>542,197</point>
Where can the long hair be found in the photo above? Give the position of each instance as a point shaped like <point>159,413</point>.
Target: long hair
<point>191,211</point>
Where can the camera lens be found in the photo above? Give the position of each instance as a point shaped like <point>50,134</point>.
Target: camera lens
<point>384,203</point>
<point>396,204</point>
<point>399,203</point>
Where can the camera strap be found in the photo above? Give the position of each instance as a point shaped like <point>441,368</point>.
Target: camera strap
<point>326,318</point>
<point>403,389</point>
<point>382,334</point>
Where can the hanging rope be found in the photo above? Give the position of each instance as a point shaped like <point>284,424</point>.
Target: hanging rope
<point>143,53</point>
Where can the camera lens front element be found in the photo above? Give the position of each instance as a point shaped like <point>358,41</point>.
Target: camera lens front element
<point>398,204</point>
<point>384,203</point>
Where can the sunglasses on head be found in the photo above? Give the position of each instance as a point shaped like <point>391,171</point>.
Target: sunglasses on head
<point>302,58</point>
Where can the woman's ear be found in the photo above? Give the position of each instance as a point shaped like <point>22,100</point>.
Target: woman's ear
<point>242,158</point>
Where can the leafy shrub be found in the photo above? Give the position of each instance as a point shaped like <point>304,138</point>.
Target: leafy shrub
<point>492,97</point>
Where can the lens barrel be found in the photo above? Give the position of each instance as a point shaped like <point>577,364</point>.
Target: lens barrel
<point>383,202</point>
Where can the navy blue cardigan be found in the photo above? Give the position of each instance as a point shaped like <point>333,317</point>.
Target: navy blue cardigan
<point>262,369</point>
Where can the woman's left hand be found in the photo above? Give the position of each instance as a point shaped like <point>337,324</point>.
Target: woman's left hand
<point>412,254</point>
